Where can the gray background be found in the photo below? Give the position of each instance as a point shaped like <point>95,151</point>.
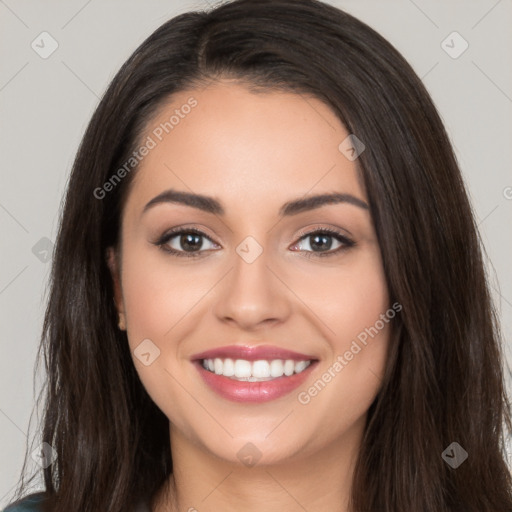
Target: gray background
<point>45,105</point>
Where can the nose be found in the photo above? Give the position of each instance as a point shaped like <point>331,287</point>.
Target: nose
<point>252,295</point>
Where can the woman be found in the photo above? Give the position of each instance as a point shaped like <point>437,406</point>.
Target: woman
<point>268,289</point>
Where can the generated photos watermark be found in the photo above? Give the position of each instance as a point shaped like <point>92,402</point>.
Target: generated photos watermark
<point>304,397</point>
<point>151,142</point>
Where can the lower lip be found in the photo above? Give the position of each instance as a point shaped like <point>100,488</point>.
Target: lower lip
<point>243,391</point>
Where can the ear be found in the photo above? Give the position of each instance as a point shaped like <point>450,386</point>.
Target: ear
<point>112,259</point>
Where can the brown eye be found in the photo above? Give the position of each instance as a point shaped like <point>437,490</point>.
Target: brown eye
<point>184,242</point>
<point>320,243</point>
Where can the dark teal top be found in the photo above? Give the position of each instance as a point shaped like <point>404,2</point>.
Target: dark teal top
<point>31,504</point>
<point>28,504</point>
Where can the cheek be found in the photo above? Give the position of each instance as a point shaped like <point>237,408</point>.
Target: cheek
<point>360,299</point>
<point>347,298</point>
<point>157,296</point>
<point>353,303</point>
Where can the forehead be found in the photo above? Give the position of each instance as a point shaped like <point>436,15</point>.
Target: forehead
<point>225,140</point>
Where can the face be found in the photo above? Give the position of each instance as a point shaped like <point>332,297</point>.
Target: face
<point>255,266</point>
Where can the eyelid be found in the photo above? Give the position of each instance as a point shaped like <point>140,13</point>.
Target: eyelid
<point>346,241</point>
<point>343,233</point>
<point>168,235</point>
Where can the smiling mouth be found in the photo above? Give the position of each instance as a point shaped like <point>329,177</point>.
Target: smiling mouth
<point>254,371</point>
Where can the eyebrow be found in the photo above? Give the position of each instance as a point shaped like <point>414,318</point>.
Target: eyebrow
<point>211,205</point>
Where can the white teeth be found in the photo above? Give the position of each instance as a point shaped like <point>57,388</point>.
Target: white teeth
<point>289,367</point>
<point>261,369</point>
<point>254,371</point>
<point>217,366</point>
<point>242,368</point>
<point>300,365</point>
<point>228,369</point>
<point>276,368</point>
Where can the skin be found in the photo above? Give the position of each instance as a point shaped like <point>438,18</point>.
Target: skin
<point>253,152</point>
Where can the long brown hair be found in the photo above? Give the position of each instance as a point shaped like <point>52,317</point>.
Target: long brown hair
<point>444,380</point>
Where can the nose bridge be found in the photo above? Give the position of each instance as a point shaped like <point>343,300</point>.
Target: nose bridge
<point>251,293</point>
<point>250,266</point>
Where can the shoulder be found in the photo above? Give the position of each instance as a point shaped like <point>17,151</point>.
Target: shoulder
<point>30,503</point>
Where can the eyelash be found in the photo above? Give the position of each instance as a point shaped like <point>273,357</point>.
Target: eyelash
<point>166,237</point>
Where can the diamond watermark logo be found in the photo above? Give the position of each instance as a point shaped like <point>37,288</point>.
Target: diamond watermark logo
<point>454,45</point>
<point>351,147</point>
<point>454,455</point>
<point>249,249</point>
<point>249,455</point>
<point>43,249</point>
<point>147,352</point>
<point>44,45</point>
<point>44,455</point>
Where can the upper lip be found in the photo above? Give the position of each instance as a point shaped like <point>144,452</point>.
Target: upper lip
<point>254,353</point>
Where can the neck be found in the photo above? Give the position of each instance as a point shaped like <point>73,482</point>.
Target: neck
<point>310,480</point>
